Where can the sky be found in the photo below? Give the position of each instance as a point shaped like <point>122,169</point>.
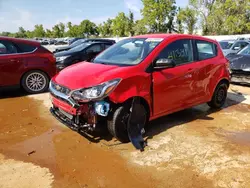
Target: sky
<point>27,13</point>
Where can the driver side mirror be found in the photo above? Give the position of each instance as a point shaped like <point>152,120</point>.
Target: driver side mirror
<point>236,48</point>
<point>164,64</point>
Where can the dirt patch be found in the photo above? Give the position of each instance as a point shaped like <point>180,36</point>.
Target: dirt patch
<point>30,134</point>
<point>197,147</point>
<point>23,175</point>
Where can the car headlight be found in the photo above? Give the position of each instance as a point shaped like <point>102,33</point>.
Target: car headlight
<point>96,92</point>
<point>61,58</point>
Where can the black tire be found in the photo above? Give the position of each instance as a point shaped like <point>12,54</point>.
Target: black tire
<point>43,82</point>
<point>117,126</point>
<point>219,96</point>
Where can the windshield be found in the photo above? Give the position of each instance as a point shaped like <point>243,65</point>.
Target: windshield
<point>76,43</point>
<point>128,51</point>
<point>245,51</point>
<point>79,48</point>
<point>226,45</point>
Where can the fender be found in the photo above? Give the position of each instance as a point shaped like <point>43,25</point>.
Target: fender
<point>134,86</point>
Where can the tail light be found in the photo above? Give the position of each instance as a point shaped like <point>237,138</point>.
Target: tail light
<point>47,54</point>
<point>228,66</point>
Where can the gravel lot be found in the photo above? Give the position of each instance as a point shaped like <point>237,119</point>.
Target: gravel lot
<point>196,147</point>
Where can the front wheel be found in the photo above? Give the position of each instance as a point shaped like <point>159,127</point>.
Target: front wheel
<point>219,96</point>
<point>117,126</point>
<point>35,82</point>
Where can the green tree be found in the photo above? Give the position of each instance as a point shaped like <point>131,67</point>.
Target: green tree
<point>21,33</point>
<point>159,14</point>
<point>235,19</point>
<point>120,25</point>
<point>30,34</point>
<point>6,34</point>
<point>49,33</point>
<point>188,17</point>
<point>130,27</point>
<point>39,31</point>
<point>139,27</point>
<point>204,8</point>
<point>88,28</point>
<point>58,30</point>
<point>179,20</point>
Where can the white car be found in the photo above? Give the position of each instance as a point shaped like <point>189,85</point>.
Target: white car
<point>232,47</point>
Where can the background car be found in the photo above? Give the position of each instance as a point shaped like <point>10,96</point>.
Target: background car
<point>71,41</point>
<point>82,52</point>
<point>25,63</point>
<point>235,47</point>
<point>240,66</point>
<point>80,41</point>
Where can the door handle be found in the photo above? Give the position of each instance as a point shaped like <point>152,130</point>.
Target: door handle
<point>14,60</point>
<point>190,69</point>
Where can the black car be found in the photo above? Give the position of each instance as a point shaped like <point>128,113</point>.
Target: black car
<point>80,41</point>
<point>240,66</point>
<point>83,52</point>
<point>71,41</point>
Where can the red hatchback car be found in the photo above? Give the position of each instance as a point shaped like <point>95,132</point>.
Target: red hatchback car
<point>25,63</point>
<point>166,72</point>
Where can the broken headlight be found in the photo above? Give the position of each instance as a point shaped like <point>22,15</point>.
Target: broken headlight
<point>96,92</point>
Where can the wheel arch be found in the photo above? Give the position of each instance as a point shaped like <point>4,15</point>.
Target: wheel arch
<point>223,80</point>
<point>143,101</point>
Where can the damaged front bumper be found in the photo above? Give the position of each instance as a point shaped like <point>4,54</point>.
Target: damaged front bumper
<point>77,116</point>
<point>240,76</point>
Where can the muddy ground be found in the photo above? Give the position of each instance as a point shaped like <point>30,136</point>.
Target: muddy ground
<point>196,147</point>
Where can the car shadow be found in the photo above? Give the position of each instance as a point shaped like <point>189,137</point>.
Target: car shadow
<point>13,93</point>
<point>162,124</point>
<point>203,112</point>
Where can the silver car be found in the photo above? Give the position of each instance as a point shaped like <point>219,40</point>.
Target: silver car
<point>232,47</point>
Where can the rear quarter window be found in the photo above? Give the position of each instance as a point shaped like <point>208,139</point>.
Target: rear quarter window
<point>206,50</point>
<point>25,48</point>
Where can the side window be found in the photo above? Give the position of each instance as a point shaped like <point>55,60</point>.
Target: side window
<point>107,45</point>
<point>3,48</point>
<point>206,50</point>
<point>7,47</point>
<point>96,48</point>
<point>239,45</point>
<point>180,51</point>
<point>24,48</point>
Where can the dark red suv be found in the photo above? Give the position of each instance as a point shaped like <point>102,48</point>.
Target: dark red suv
<point>25,63</point>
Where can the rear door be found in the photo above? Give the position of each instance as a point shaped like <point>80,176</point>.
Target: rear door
<point>206,59</point>
<point>93,50</point>
<point>10,64</point>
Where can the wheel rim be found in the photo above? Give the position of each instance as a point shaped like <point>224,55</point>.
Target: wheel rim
<point>35,81</point>
<point>221,95</point>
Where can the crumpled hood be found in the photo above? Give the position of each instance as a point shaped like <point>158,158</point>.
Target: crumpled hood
<point>238,62</point>
<point>85,74</point>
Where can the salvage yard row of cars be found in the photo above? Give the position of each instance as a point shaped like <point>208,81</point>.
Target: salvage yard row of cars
<point>121,86</point>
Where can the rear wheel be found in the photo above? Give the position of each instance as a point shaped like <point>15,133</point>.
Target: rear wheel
<point>219,96</point>
<point>35,82</point>
<point>117,126</point>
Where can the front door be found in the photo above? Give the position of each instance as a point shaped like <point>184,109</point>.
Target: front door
<point>93,50</point>
<point>174,87</point>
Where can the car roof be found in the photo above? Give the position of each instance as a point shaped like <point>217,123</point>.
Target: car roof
<point>99,42</point>
<point>26,41</point>
<point>174,35</point>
